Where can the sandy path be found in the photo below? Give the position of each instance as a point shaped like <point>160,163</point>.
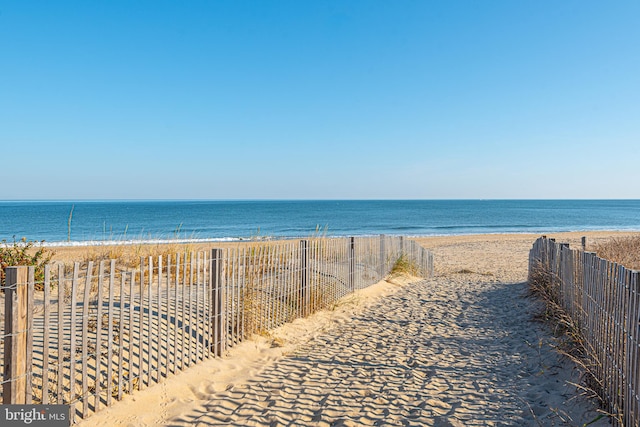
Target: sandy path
<point>459,349</point>
<point>430,354</point>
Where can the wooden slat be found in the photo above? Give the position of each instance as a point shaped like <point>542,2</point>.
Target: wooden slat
<point>236,297</point>
<point>190,321</point>
<point>171,319</point>
<point>149,323</point>
<point>131,329</point>
<point>611,336</point>
<point>183,330</point>
<point>86,302</point>
<point>265,290</point>
<point>325,289</point>
<point>286,284</point>
<point>240,284</point>
<point>236,294</point>
<point>620,340</point>
<point>608,337</point>
<point>278,291</point>
<point>207,308</point>
<point>275,288</point>
<point>161,332</point>
<point>72,337</point>
<point>60,374</point>
<point>210,307</point>
<point>98,366</point>
<point>175,315</point>
<point>267,287</point>
<point>217,300</point>
<point>30,331</point>
<point>229,301</point>
<point>140,326</point>
<point>242,293</point>
<point>316,262</point>
<point>259,265</point>
<point>167,315</point>
<point>110,319</point>
<point>280,288</point>
<point>46,331</point>
<point>121,333</point>
<point>204,298</point>
<point>293,280</point>
<point>213,300</point>
<point>199,321</point>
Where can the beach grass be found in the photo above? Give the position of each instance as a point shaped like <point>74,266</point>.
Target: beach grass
<point>622,250</point>
<point>405,265</point>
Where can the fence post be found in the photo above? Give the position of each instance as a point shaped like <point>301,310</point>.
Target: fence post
<point>217,302</point>
<point>352,263</point>
<point>382,257</point>
<point>304,278</point>
<point>15,343</point>
<point>584,243</point>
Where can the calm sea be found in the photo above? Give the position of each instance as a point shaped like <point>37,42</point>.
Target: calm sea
<point>128,221</point>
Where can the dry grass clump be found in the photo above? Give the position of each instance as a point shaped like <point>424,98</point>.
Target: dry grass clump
<point>622,250</point>
<point>405,265</point>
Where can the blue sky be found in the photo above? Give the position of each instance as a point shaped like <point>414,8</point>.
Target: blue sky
<point>319,99</point>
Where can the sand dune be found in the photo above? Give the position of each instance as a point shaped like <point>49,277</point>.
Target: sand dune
<point>458,349</point>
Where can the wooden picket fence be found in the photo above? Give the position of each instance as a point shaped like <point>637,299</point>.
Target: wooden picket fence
<point>603,300</point>
<point>96,331</point>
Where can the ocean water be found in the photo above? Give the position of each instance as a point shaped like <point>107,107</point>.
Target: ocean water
<point>130,221</point>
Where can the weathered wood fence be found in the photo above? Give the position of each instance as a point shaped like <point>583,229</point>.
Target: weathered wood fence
<point>99,330</point>
<point>603,299</point>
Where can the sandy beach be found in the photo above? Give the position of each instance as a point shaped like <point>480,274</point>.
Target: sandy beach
<point>458,349</point>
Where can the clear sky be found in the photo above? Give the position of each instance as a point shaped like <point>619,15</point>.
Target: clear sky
<point>319,99</point>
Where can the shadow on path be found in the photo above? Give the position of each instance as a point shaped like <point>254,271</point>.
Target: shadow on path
<point>440,352</point>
